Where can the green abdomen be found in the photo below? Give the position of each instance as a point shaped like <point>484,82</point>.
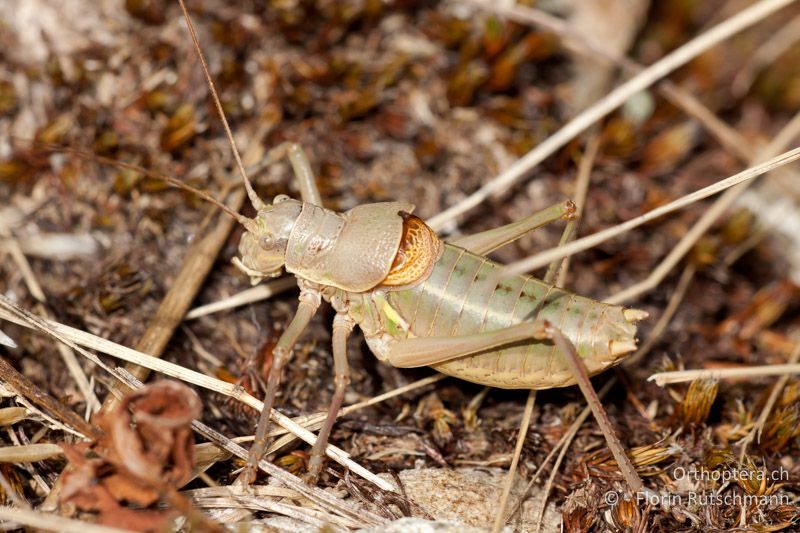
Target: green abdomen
<point>461,297</point>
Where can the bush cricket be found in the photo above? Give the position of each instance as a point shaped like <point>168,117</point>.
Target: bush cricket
<point>418,300</point>
<point>421,300</point>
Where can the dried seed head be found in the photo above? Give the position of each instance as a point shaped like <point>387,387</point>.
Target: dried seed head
<point>625,515</point>
<point>756,481</point>
<point>737,429</point>
<point>295,462</point>
<point>641,457</point>
<point>650,454</point>
<point>785,514</point>
<point>580,511</point>
<point>719,456</point>
<point>791,393</point>
<point>432,409</point>
<point>745,472</point>
<point>697,402</point>
<point>781,428</point>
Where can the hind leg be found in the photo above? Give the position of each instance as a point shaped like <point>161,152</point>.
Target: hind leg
<point>487,241</point>
<point>578,368</point>
<point>423,351</point>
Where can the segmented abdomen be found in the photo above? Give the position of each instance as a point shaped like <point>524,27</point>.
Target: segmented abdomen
<point>461,297</point>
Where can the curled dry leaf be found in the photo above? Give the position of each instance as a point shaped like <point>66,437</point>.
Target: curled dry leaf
<point>95,485</point>
<point>151,433</point>
<point>145,455</point>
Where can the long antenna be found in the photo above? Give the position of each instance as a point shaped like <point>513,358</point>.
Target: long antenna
<point>249,224</point>
<point>251,193</point>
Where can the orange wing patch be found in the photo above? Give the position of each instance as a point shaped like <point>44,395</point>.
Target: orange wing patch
<point>419,250</point>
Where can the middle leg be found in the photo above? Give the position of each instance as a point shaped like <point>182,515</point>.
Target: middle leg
<point>342,327</point>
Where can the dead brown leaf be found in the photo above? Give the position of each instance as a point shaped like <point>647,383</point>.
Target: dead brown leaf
<point>145,455</point>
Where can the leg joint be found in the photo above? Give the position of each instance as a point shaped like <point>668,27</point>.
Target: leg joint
<point>341,381</point>
<point>309,294</point>
<point>570,210</point>
<point>280,354</point>
<point>343,321</point>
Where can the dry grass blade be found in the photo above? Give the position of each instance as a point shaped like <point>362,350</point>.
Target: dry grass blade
<point>190,376</point>
<point>766,55</point>
<point>21,261</point>
<point>581,190</point>
<point>727,136</point>
<point>316,495</point>
<point>499,520</point>
<point>314,421</point>
<point>593,240</point>
<point>614,99</point>
<point>586,45</point>
<point>247,296</point>
<point>751,372</point>
<point>52,522</point>
<point>319,496</point>
<point>316,519</point>
<point>30,411</point>
<point>256,491</point>
<point>29,453</point>
<point>711,215</point>
<point>7,341</point>
<point>26,388</point>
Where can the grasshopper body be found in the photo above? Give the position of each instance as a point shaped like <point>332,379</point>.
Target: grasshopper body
<point>419,301</point>
<point>387,272</point>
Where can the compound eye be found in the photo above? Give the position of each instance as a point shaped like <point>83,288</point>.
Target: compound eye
<point>280,199</point>
<point>266,242</point>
